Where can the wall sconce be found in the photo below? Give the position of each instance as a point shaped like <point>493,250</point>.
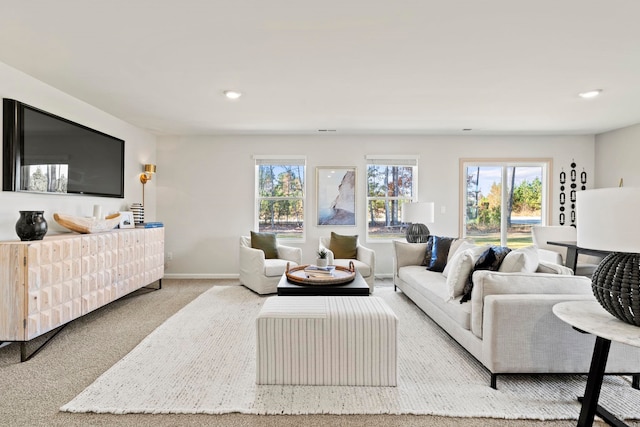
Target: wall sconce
<point>146,176</point>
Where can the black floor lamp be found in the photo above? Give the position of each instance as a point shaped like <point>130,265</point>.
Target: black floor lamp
<point>415,215</point>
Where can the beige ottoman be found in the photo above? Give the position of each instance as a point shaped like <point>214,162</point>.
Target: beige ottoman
<point>325,340</point>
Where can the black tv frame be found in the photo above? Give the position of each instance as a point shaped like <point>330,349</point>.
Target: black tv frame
<point>13,148</point>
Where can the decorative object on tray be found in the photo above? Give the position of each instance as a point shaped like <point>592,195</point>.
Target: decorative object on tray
<point>319,270</point>
<point>607,221</point>
<point>322,258</point>
<point>87,225</point>
<point>149,225</point>
<point>31,225</point>
<point>338,275</point>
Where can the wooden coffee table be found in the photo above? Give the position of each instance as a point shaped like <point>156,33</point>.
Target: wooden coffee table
<point>357,287</point>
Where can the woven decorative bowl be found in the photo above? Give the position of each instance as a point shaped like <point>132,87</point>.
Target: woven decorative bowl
<point>616,285</point>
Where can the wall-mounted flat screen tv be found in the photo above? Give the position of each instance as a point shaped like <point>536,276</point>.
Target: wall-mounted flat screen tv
<point>46,153</point>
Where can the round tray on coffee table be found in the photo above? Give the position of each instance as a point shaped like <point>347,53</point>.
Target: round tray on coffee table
<point>338,276</point>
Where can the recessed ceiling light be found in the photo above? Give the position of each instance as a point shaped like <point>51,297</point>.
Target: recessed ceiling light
<point>232,94</point>
<point>590,93</point>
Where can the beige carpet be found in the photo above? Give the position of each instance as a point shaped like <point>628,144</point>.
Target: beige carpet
<point>202,360</point>
<point>32,392</point>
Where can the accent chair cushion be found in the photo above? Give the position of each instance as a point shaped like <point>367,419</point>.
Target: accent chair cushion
<point>343,247</point>
<point>265,242</point>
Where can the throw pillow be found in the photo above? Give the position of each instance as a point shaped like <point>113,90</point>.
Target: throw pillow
<point>266,242</point>
<point>439,253</point>
<point>523,260</point>
<point>460,245</point>
<point>459,268</point>
<point>427,254</point>
<point>343,247</point>
<point>489,260</point>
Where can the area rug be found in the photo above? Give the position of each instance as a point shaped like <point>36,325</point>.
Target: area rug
<point>202,360</point>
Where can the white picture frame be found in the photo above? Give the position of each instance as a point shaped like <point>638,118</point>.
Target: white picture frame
<point>126,220</point>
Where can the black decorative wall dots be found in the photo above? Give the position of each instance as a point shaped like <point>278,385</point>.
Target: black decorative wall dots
<point>573,185</point>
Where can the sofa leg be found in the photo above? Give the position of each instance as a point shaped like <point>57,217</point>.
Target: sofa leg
<point>635,383</point>
<point>395,288</point>
<point>494,381</point>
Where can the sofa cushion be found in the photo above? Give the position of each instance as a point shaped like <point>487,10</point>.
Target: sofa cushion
<point>432,286</point>
<point>459,268</point>
<point>276,267</point>
<point>440,253</point>
<point>491,259</point>
<point>459,245</point>
<point>265,242</point>
<point>343,247</point>
<point>521,260</point>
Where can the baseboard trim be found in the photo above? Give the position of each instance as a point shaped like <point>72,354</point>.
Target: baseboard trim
<point>200,276</point>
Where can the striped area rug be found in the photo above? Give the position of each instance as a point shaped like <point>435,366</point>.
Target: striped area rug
<point>202,360</point>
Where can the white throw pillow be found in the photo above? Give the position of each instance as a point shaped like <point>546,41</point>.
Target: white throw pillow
<point>461,265</point>
<point>521,260</point>
<point>459,245</point>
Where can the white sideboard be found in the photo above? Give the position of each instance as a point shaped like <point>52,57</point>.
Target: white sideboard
<point>47,283</point>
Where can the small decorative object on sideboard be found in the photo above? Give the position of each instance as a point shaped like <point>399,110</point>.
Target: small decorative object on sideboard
<point>138,213</point>
<point>31,225</point>
<point>322,258</point>
<point>87,225</point>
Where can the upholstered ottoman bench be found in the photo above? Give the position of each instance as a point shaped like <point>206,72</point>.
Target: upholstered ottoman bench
<point>326,340</point>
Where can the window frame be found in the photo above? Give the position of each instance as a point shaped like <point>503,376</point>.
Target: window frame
<point>404,160</point>
<point>279,160</point>
<point>547,172</point>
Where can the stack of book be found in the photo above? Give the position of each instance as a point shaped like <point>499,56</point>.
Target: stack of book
<point>315,271</point>
<point>149,225</point>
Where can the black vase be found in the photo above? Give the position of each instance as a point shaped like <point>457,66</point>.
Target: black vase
<point>31,225</point>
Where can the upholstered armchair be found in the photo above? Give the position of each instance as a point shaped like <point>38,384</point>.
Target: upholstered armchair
<point>365,261</point>
<point>261,274</point>
<point>557,254</point>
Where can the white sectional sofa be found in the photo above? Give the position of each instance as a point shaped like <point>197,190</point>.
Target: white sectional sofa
<point>508,324</point>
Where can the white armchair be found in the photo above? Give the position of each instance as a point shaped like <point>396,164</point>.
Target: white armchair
<point>557,254</point>
<point>262,275</point>
<point>365,261</point>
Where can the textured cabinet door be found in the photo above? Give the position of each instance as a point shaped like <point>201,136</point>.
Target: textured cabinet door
<point>99,270</point>
<point>53,285</point>
<point>153,254</point>
<point>13,301</point>
<point>130,261</point>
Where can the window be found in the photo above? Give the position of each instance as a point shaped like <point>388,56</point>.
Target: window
<point>280,195</point>
<point>391,182</point>
<point>501,200</point>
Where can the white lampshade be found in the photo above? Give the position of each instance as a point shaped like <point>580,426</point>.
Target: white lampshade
<point>418,213</point>
<point>607,219</point>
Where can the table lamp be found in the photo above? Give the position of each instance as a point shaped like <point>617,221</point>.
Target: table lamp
<point>607,219</point>
<point>416,214</point>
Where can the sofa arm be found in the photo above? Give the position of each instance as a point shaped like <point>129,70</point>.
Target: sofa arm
<point>495,283</point>
<point>523,335</point>
<point>290,253</point>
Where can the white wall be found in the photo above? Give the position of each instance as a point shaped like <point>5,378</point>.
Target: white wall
<point>140,148</point>
<point>206,186</point>
<point>616,156</point>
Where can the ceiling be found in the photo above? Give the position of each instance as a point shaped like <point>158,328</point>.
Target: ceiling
<point>349,66</point>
